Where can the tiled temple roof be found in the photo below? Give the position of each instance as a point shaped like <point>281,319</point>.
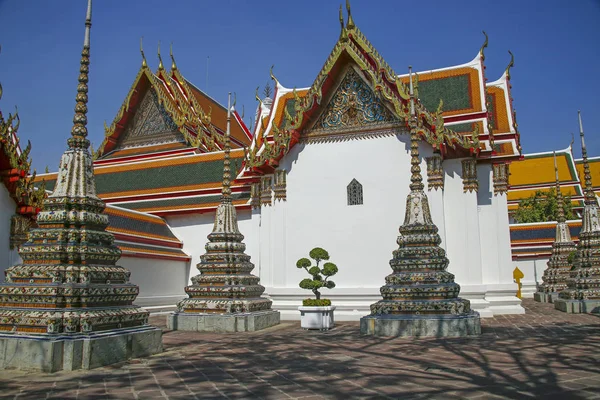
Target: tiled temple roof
<point>535,239</point>
<point>177,183</point>
<point>536,172</point>
<point>472,111</point>
<point>143,235</point>
<point>199,120</point>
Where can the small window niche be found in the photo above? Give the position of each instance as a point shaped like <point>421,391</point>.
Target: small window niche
<point>355,193</point>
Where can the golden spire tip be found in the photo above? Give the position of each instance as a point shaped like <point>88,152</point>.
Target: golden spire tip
<point>160,63</point>
<point>144,64</point>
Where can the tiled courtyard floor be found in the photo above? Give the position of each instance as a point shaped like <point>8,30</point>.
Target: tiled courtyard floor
<point>542,354</point>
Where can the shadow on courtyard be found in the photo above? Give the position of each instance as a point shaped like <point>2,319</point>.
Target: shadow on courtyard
<point>514,361</point>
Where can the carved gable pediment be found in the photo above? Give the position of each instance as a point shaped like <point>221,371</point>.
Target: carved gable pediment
<point>151,124</point>
<point>354,106</point>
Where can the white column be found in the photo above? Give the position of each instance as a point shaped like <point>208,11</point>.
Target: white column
<point>462,237</point>
<point>496,257</point>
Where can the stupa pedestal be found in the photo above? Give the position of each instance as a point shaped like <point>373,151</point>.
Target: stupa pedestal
<point>420,298</point>
<point>68,305</point>
<point>225,297</point>
<point>51,353</point>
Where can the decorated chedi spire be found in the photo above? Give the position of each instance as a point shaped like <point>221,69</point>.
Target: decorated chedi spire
<point>557,274</point>
<point>420,298</point>
<point>68,282</point>
<point>225,296</point>
<point>583,287</point>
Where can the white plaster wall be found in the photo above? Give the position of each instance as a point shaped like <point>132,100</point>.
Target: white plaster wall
<point>462,227</point>
<point>161,282</point>
<point>360,238</point>
<point>193,231</point>
<point>7,209</point>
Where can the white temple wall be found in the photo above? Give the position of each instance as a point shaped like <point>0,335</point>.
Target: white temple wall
<point>161,282</point>
<point>359,238</point>
<point>193,231</point>
<point>8,257</point>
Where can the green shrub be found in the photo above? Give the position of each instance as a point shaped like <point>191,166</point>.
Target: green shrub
<point>571,257</point>
<point>316,303</point>
<point>320,276</point>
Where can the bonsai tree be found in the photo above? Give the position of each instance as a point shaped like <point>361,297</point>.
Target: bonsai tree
<point>320,276</point>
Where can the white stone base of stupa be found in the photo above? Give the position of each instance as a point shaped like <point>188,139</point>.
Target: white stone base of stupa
<point>421,325</point>
<point>578,306</point>
<point>51,353</point>
<point>241,322</point>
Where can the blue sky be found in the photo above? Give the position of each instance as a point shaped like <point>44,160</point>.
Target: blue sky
<point>555,45</point>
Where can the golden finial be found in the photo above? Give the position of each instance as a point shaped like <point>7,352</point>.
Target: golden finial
<point>483,46</point>
<point>510,64</point>
<point>243,111</point>
<point>160,63</point>
<point>343,35</point>
<point>234,100</point>
<point>273,76</point>
<point>350,24</point>
<point>173,65</point>
<point>144,63</point>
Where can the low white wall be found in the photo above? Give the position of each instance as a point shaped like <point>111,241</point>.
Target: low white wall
<point>533,270</point>
<point>161,282</point>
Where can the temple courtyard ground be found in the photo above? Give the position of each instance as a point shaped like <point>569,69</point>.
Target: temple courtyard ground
<point>542,354</point>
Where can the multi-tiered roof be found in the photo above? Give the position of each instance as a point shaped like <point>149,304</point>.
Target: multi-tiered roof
<point>462,114</point>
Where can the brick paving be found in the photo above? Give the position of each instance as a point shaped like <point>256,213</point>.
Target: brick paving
<point>542,354</point>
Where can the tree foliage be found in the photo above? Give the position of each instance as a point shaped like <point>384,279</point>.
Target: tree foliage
<point>542,207</point>
<point>319,276</point>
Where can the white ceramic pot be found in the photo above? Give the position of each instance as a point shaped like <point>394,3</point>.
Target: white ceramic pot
<point>316,317</point>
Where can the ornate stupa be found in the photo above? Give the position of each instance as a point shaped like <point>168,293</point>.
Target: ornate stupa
<point>225,296</point>
<point>68,301</point>
<point>420,298</point>
<point>556,275</point>
<point>582,294</point>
